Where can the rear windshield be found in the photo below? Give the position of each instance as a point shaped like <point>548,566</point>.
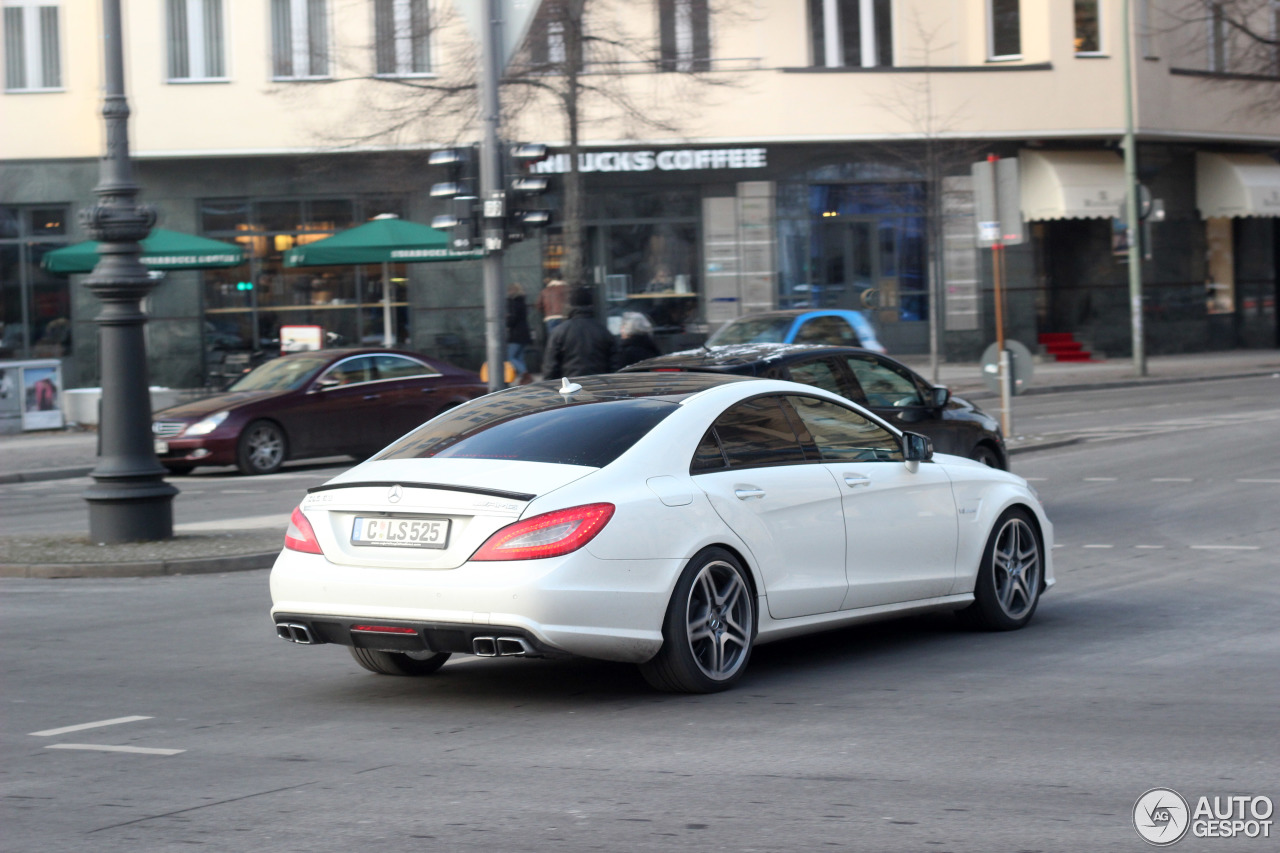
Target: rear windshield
<point>591,433</point>
<point>753,330</point>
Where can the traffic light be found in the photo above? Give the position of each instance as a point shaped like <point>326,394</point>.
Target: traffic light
<point>463,219</point>
<point>244,285</point>
<point>523,192</point>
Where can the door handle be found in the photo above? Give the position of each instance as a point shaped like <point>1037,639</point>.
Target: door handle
<point>373,396</point>
<point>745,494</point>
<point>855,480</point>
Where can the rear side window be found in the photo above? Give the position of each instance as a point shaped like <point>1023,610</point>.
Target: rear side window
<point>399,367</point>
<point>827,330</point>
<point>592,434</point>
<point>754,433</point>
<point>820,374</point>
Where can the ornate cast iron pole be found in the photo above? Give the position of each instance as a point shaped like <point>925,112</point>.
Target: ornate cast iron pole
<point>129,500</point>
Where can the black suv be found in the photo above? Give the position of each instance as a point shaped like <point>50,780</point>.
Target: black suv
<point>888,388</point>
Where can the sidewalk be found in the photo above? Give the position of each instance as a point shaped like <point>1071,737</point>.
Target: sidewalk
<point>57,455</point>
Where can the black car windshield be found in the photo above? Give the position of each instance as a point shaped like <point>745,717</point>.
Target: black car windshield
<point>536,423</point>
<point>282,374</point>
<point>753,330</point>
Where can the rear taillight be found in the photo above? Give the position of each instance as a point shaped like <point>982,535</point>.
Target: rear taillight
<point>300,536</point>
<point>548,535</point>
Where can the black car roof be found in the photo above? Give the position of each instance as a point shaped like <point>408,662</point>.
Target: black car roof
<point>737,356</point>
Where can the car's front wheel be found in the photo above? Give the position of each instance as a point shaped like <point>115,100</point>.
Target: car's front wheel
<point>261,449</point>
<point>399,663</point>
<point>985,454</point>
<point>709,627</point>
<point>1010,577</point>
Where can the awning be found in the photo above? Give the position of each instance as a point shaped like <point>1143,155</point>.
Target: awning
<point>1231,185</point>
<point>161,250</point>
<point>383,239</point>
<point>1071,184</point>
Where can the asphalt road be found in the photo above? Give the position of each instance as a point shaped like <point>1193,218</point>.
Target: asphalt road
<point>1153,663</point>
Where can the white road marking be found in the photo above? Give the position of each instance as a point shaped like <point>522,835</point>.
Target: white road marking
<point>1100,479</point>
<point>253,522</point>
<point>99,724</point>
<point>139,750</point>
<point>1099,546</point>
<point>1226,547</point>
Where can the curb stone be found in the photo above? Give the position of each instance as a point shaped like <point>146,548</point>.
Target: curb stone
<point>141,568</point>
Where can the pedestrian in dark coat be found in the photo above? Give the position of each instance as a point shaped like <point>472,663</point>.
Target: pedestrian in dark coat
<point>518,334</point>
<point>581,345</point>
<point>637,340</point>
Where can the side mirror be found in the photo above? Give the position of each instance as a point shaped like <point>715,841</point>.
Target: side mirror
<point>939,396</point>
<point>916,448</point>
<point>326,383</point>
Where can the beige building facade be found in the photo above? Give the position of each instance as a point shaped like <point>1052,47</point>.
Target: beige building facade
<point>738,155</point>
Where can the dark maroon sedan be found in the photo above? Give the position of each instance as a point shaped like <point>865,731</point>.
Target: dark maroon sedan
<point>304,405</point>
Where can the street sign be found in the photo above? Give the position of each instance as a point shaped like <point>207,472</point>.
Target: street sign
<point>1020,367</point>
<point>998,202</point>
<point>515,15</point>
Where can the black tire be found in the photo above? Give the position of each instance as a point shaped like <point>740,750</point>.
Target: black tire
<point>709,627</point>
<point>987,455</point>
<point>1011,576</point>
<point>399,663</point>
<point>262,448</point>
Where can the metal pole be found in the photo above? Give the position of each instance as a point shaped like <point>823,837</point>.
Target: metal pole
<point>490,177</point>
<point>997,275</point>
<point>388,330</point>
<point>1131,203</point>
<point>129,500</point>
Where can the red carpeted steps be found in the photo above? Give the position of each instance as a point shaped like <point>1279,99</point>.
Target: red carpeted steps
<point>1063,346</point>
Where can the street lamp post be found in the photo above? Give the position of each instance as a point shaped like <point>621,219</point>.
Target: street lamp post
<point>129,500</point>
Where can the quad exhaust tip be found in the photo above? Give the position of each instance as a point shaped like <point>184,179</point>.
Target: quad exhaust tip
<point>489,647</point>
<point>295,632</point>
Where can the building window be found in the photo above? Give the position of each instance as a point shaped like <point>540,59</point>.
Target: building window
<point>851,33</point>
<point>684,33</point>
<point>1088,38</point>
<point>1004,29</point>
<point>403,33</point>
<point>32,59</point>
<point>299,39</point>
<point>35,305</point>
<point>196,43</point>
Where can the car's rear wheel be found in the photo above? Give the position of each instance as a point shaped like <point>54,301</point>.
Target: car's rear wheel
<point>709,627</point>
<point>1010,577</point>
<point>399,663</point>
<point>261,449</point>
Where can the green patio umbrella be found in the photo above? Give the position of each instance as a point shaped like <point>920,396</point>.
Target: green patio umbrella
<point>161,250</point>
<point>385,239</point>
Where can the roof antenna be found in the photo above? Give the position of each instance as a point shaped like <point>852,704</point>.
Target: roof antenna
<point>567,388</point>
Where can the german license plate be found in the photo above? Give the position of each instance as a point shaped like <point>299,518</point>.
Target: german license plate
<point>401,532</point>
<point>162,447</point>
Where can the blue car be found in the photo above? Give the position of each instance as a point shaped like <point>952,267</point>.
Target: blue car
<point>829,326</point>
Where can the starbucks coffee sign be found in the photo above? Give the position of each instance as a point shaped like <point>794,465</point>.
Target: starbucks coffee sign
<point>670,160</point>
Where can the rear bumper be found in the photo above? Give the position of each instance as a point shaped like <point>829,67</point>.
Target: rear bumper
<point>573,605</point>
